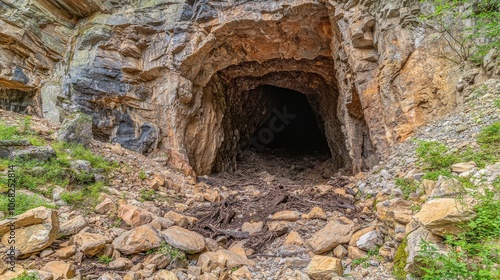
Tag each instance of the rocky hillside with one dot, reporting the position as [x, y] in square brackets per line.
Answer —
[242, 139]
[125, 216]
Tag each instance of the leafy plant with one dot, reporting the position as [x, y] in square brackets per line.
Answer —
[167, 250]
[465, 43]
[408, 186]
[105, 259]
[147, 195]
[27, 276]
[142, 175]
[473, 254]
[434, 155]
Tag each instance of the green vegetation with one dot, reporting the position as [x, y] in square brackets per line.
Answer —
[27, 276]
[437, 159]
[400, 260]
[147, 195]
[473, 254]
[497, 103]
[105, 259]
[167, 250]
[24, 202]
[364, 261]
[465, 43]
[42, 177]
[408, 186]
[142, 174]
[84, 196]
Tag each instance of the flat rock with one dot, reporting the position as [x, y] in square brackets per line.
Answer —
[443, 216]
[336, 232]
[290, 216]
[183, 239]
[324, 268]
[252, 228]
[73, 226]
[60, 269]
[139, 239]
[221, 259]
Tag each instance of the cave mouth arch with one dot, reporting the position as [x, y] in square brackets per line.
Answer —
[292, 128]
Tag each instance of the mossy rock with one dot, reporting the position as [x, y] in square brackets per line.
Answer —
[400, 260]
[77, 130]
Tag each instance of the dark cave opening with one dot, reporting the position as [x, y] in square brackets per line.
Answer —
[292, 127]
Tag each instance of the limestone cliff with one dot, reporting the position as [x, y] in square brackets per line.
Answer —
[182, 78]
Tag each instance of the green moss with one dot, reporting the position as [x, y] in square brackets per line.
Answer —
[400, 260]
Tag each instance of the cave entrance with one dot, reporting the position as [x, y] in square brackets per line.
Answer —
[292, 129]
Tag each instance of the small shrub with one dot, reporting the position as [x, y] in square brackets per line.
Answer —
[408, 186]
[167, 250]
[434, 155]
[8, 132]
[142, 175]
[147, 195]
[497, 103]
[85, 196]
[105, 259]
[27, 276]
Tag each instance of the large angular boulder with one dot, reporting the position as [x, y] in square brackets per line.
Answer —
[35, 230]
[394, 211]
[324, 268]
[443, 216]
[89, 243]
[336, 232]
[139, 239]
[134, 216]
[60, 270]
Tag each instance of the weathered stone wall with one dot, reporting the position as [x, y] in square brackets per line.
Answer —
[169, 76]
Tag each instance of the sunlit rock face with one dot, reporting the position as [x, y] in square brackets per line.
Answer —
[188, 79]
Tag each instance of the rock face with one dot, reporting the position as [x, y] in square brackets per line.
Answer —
[189, 78]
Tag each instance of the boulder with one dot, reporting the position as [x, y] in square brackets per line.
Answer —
[369, 241]
[324, 268]
[65, 252]
[77, 129]
[105, 207]
[38, 153]
[134, 216]
[179, 219]
[183, 239]
[315, 213]
[415, 240]
[36, 229]
[73, 226]
[139, 239]
[336, 232]
[121, 264]
[221, 259]
[165, 275]
[252, 228]
[60, 269]
[293, 238]
[443, 216]
[393, 211]
[89, 243]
